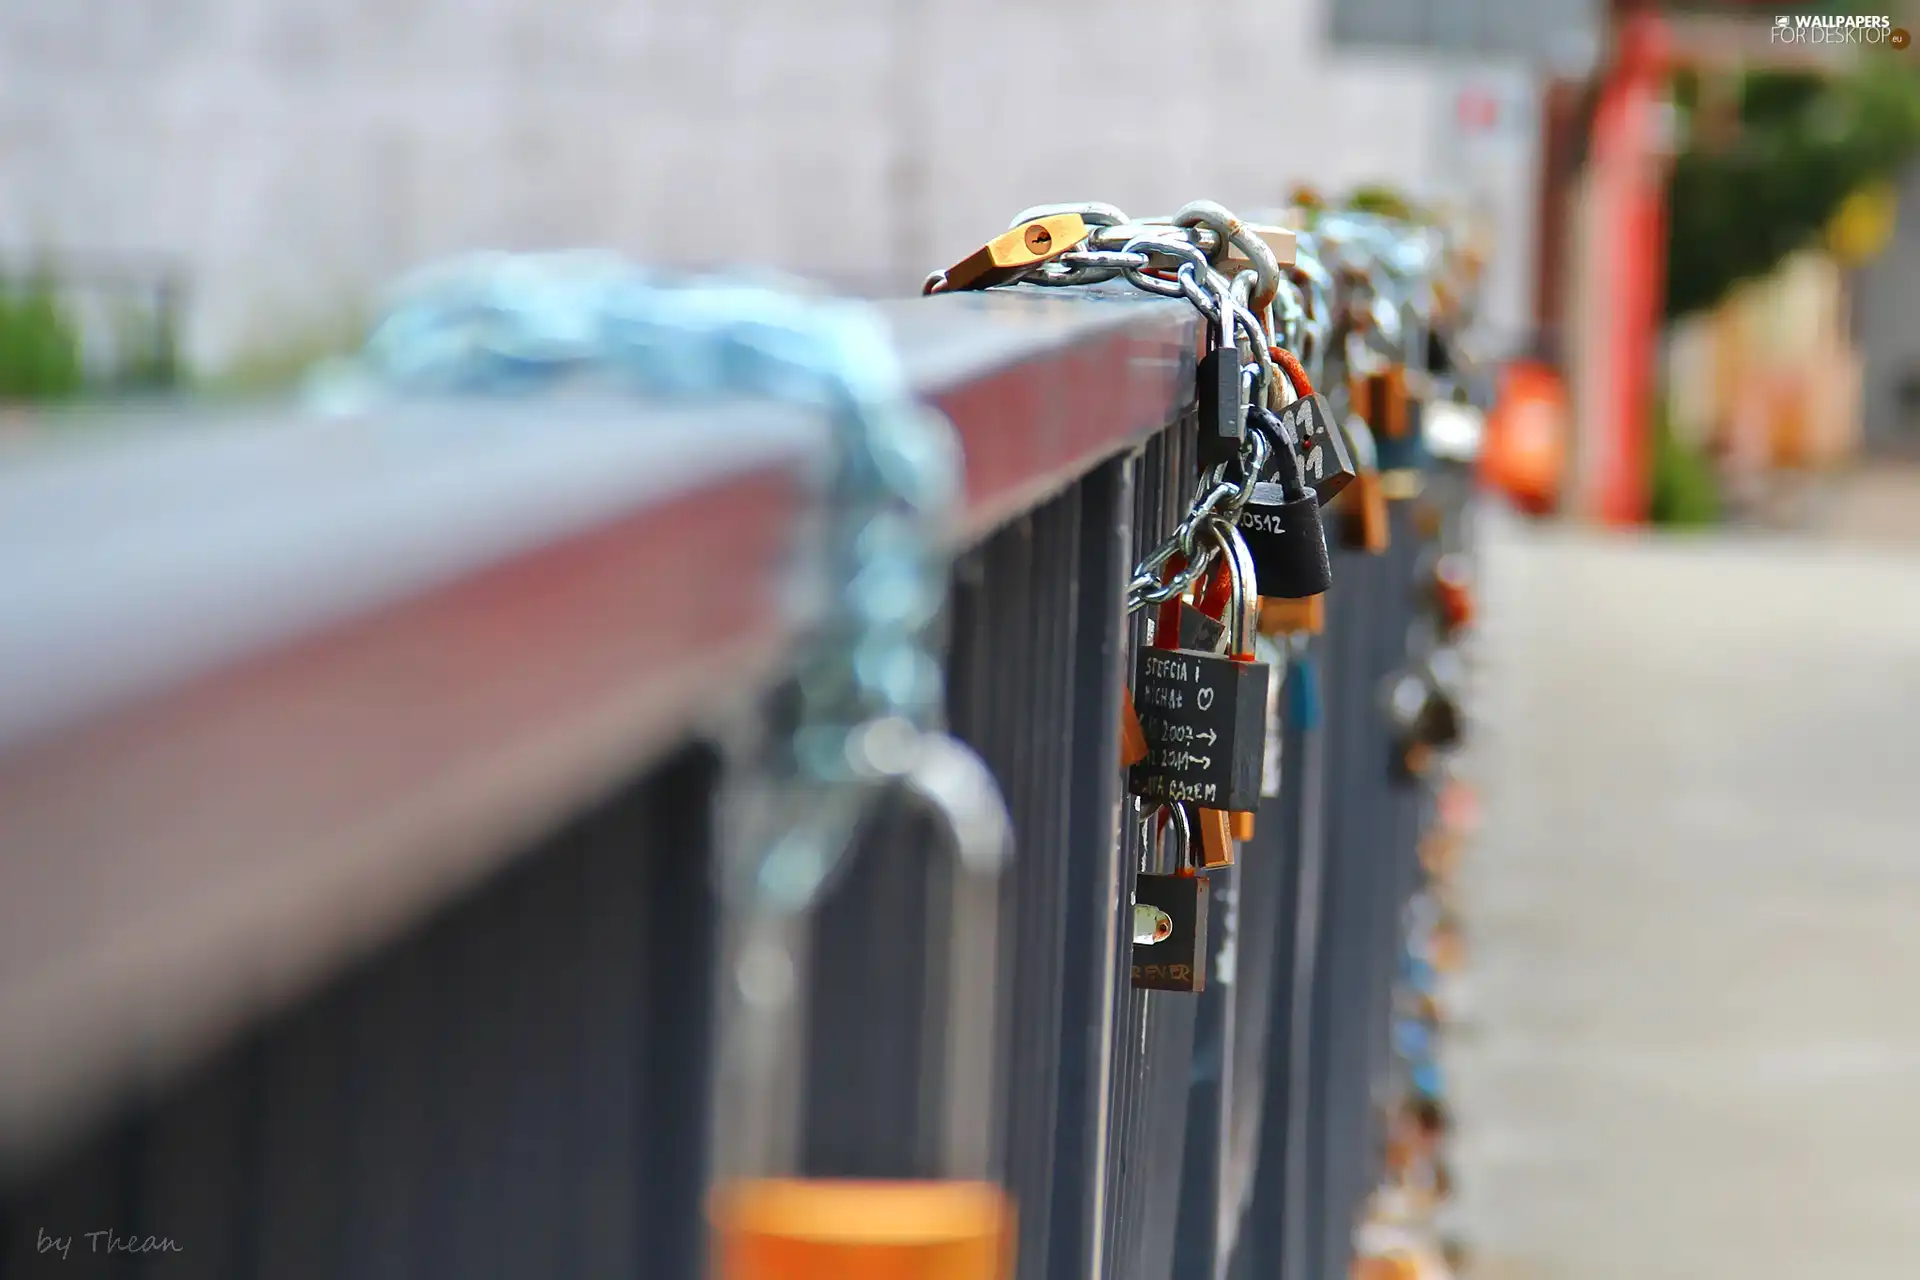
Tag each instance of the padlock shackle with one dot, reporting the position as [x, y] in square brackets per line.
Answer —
[1184, 858]
[1232, 231]
[1243, 601]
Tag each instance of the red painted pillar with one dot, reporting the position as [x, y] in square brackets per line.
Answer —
[1629, 156]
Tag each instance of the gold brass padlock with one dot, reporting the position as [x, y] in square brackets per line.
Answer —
[1282, 241]
[1005, 256]
[1284, 617]
[1217, 837]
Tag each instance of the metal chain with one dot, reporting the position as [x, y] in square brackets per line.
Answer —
[870, 683]
[1180, 257]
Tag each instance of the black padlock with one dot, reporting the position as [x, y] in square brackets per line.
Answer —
[1218, 393]
[1425, 709]
[1204, 715]
[1281, 522]
[1177, 961]
[1326, 461]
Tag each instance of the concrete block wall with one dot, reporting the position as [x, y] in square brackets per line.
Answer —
[293, 155]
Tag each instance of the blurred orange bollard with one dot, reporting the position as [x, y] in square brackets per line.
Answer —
[1525, 450]
[835, 1229]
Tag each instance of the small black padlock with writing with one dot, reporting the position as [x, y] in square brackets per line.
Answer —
[1325, 459]
[1218, 394]
[1281, 522]
[1170, 921]
[1204, 715]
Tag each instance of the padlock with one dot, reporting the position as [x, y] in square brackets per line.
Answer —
[1453, 592]
[1326, 462]
[1285, 617]
[1010, 253]
[1218, 829]
[1195, 630]
[1178, 961]
[1407, 450]
[1284, 243]
[771, 1226]
[1393, 402]
[1281, 522]
[1219, 393]
[1204, 714]
[1426, 714]
[1366, 525]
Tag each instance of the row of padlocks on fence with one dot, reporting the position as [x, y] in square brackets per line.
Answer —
[1332, 415]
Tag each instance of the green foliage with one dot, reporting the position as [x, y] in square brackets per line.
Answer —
[39, 345]
[1380, 199]
[1686, 491]
[1805, 143]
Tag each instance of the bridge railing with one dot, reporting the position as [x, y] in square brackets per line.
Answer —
[357, 791]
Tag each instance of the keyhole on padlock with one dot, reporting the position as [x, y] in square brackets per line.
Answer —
[1039, 239]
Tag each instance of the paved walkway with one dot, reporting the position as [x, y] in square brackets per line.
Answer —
[1693, 1044]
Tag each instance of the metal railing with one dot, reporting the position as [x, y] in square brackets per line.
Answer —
[356, 799]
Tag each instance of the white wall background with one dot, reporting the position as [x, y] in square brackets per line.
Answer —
[292, 155]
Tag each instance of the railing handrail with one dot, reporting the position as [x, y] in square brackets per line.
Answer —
[270, 690]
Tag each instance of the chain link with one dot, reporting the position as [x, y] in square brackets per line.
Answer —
[1355, 277]
[1181, 257]
[869, 680]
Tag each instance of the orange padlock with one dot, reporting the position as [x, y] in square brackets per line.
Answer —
[1217, 837]
[1525, 448]
[1394, 399]
[1453, 592]
[1373, 526]
[1285, 617]
[833, 1229]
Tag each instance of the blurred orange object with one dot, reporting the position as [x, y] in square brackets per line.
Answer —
[1133, 739]
[1392, 1266]
[1453, 592]
[1524, 453]
[831, 1229]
